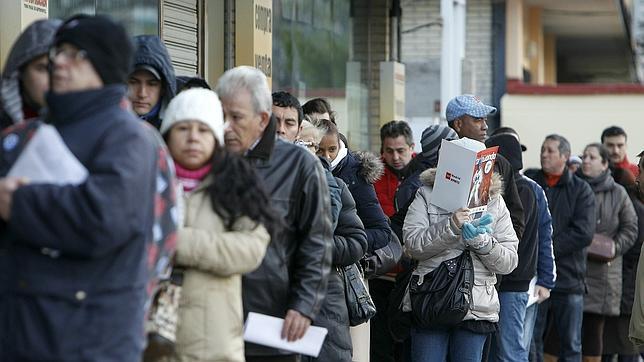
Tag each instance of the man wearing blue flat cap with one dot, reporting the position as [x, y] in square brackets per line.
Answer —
[467, 115]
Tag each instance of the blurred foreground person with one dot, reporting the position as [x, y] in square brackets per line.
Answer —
[74, 265]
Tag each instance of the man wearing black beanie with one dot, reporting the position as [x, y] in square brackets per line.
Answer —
[74, 256]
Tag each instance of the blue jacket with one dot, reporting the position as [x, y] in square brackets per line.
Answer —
[151, 51]
[572, 206]
[76, 255]
[546, 266]
[359, 171]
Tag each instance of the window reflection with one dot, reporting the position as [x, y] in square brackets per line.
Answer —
[138, 16]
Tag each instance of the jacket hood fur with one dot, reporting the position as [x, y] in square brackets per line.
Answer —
[372, 167]
[428, 177]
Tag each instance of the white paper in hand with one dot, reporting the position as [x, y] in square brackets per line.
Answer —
[532, 298]
[267, 331]
[46, 159]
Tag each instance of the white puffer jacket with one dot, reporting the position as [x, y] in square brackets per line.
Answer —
[431, 238]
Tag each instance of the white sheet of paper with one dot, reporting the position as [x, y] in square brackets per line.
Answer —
[46, 159]
[267, 331]
[531, 297]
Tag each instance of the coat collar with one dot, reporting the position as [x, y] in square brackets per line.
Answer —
[264, 149]
[74, 106]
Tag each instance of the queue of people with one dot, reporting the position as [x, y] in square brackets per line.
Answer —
[252, 202]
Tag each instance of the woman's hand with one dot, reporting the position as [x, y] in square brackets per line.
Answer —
[460, 217]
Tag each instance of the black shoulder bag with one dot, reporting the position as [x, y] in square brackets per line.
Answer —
[442, 297]
[359, 302]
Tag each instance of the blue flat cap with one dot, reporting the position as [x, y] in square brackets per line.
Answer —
[467, 104]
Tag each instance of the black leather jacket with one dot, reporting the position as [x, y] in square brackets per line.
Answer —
[295, 270]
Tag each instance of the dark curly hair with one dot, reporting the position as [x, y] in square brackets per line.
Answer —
[287, 100]
[237, 191]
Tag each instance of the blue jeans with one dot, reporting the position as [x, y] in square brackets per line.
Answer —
[528, 325]
[566, 315]
[509, 342]
[429, 345]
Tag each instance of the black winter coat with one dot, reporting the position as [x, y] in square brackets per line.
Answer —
[519, 279]
[74, 257]
[359, 171]
[572, 205]
[295, 270]
[349, 245]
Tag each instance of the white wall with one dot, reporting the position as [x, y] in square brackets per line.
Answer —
[579, 118]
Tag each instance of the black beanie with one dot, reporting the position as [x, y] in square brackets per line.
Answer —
[107, 45]
[509, 147]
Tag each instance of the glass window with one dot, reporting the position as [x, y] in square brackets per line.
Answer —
[312, 58]
[138, 16]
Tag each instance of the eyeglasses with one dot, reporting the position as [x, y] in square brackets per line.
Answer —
[67, 53]
[307, 144]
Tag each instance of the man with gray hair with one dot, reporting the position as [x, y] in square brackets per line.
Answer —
[572, 205]
[291, 281]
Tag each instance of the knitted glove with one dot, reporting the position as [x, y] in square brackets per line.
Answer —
[469, 231]
[483, 223]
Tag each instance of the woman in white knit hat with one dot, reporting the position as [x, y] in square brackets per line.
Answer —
[223, 235]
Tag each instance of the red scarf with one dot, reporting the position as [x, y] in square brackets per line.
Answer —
[551, 180]
[190, 179]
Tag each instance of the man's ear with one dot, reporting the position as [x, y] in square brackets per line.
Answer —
[457, 125]
[265, 118]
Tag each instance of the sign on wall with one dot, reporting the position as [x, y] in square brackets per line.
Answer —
[254, 35]
[392, 92]
[33, 10]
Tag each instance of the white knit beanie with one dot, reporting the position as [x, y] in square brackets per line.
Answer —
[196, 104]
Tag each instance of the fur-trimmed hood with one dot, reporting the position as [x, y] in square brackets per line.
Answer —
[372, 167]
[428, 177]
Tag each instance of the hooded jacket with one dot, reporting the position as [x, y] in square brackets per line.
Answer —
[295, 270]
[572, 206]
[151, 51]
[76, 255]
[616, 219]
[359, 170]
[431, 238]
[33, 42]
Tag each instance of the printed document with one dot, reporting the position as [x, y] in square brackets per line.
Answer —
[46, 159]
[267, 331]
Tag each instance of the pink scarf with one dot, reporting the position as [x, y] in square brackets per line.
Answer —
[190, 179]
